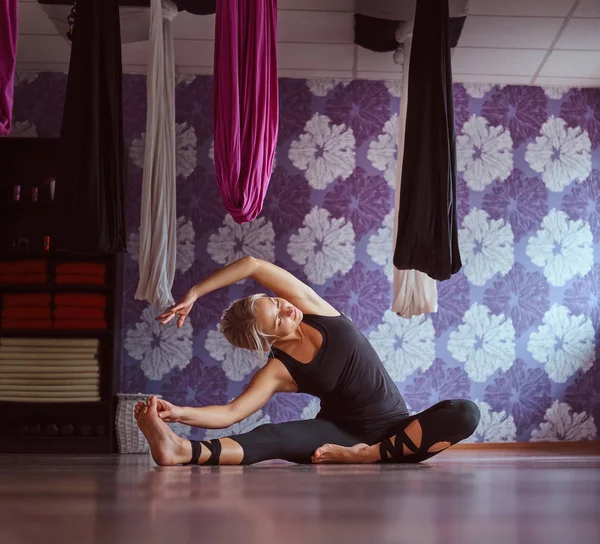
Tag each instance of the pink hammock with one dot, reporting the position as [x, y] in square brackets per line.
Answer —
[246, 105]
[8, 55]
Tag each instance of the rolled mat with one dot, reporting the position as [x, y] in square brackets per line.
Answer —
[72, 312]
[80, 279]
[26, 312]
[51, 342]
[22, 278]
[46, 369]
[54, 380]
[83, 300]
[45, 356]
[41, 300]
[68, 324]
[64, 397]
[90, 269]
[26, 324]
[23, 267]
[81, 362]
[35, 352]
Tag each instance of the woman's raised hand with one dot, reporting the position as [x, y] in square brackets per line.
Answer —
[181, 309]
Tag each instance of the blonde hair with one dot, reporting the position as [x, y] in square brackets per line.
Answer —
[240, 326]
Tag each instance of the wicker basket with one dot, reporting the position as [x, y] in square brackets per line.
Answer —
[129, 436]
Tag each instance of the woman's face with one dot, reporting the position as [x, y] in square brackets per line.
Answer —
[277, 316]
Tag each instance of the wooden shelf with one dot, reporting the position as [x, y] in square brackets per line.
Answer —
[34, 220]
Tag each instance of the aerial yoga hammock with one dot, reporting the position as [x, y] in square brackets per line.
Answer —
[158, 221]
[90, 187]
[426, 234]
[245, 126]
[245, 103]
[8, 56]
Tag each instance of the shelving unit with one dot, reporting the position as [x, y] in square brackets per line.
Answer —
[54, 427]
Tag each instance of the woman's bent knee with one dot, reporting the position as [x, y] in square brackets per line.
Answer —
[469, 414]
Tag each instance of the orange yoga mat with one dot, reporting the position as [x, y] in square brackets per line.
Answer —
[72, 312]
[27, 312]
[90, 269]
[22, 278]
[80, 279]
[23, 267]
[81, 300]
[26, 324]
[42, 300]
[80, 324]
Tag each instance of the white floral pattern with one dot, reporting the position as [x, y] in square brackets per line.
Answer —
[185, 244]
[561, 423]
[484, 342]
[381, 246]
[321, 87]
[493, 426]
[159, 348]
[234, 241]
[483, 153]
[564, 343]
[404, 345]
[486, 246]
[477, 90]
[311, 411]
[563, 248]
[324, 151]
[255, 420]
[394, 86]
[561, 154]
[185, 78]
[237, 363]
[323, 246]
[383, 151]
[185, 149]
[555, 93]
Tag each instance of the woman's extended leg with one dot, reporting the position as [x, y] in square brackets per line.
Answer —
[415, 438]
[293, 441]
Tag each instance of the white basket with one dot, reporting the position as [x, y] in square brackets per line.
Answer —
[129, 436]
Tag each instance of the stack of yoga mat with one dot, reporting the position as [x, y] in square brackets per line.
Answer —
[27, 311]
[79, 311]
[49, 370]
[23, 272]
[81, 273]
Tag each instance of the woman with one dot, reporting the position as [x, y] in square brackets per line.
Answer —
[312, 349]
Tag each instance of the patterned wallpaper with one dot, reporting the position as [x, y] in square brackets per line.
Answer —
[516, 328]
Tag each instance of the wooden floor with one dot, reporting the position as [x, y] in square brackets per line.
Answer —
[485, 497]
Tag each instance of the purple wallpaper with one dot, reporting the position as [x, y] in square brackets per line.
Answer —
[516, 329]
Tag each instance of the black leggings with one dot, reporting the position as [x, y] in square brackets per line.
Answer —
[296, 441]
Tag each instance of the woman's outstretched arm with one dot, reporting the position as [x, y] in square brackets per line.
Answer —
[272, 378]
[270, 276]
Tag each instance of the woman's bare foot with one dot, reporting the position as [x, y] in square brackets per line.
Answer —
[138, 409]
[166, 447]
[358, 454]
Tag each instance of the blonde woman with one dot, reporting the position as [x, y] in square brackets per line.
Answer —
[311, 348]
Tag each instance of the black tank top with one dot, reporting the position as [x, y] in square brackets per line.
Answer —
[355, 389]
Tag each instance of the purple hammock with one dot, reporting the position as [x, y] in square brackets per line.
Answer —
[246, 107]
[8, 55]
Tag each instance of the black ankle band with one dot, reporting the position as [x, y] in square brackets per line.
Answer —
[196, 450]
[214, 446]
